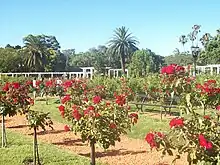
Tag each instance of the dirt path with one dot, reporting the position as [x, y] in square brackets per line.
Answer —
[127, 152]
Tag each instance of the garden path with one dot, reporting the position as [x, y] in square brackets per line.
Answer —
[127, 152]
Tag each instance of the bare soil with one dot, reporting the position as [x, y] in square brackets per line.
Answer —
[127, 152]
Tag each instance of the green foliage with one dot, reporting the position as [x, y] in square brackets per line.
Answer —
[95, 119]
[212, 50]
[42, 52]
[38, 119]
[140, 63]
[192, 138]
[123, 45]
[10, 60]
[180, 59]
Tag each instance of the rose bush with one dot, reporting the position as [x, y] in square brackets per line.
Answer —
[195, 135]
[13, 99]
[96, 120]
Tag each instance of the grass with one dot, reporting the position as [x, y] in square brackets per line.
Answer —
[146, 124]
[52, 107]
[20, 147]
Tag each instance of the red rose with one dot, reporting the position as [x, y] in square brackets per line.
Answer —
[66, 128]
[29, 83]
[161, 135]
[207, 117]
[209, 145]
[49, 83]
[97, 99]
[112, 125]
[89, 110]
[67, 84]
[76, 115]
[180, 69]
[218, 108]
[198, 86]
[204, 143]
[38, 82]
[61, 108]
[6, 87]
[120, 99]
[150, 138]
[133, 115]
[163, 70]
[176, 122]
[65, 99]
[15, 85]
[170, 69]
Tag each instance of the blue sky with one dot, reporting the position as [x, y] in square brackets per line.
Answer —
[83, 24]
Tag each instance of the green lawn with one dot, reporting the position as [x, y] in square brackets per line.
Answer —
[146, 124]
[20, 147]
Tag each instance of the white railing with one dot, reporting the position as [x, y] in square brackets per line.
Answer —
[87, 72]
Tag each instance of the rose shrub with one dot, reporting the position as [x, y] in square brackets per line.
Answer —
[13, 99]
[196, 135]
[95, 119]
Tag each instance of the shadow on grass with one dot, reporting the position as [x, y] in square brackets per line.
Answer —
[18, 126]
[49, 132]
[158, 112]
[120, 152]
[70, 142]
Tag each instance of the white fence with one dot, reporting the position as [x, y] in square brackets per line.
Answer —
[87, 72]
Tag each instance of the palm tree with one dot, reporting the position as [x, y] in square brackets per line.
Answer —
[183, 40]
[206, 38]
[36, 52]
[123, 45]
[176, 51]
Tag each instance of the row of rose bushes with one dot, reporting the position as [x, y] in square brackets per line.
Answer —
[97, 120]
[196, 135]
[150, 84]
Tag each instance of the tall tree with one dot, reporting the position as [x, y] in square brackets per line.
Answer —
[68, 53]
[123, 44]
[10, 60]
[36, 52]
[211, 52]
[140, 63]
[42, 52]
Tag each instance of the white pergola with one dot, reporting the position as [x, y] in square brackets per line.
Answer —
[87, 72]
[212, 69]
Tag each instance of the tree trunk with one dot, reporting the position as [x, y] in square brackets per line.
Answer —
[35, 148]
[92, 154]
[194, 72]
[123, 64]
[4, 141]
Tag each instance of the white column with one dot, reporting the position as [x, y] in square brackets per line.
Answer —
[91, 73]
[211, 67]
[218, 70]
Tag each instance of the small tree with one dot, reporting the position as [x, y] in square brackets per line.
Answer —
[13, 99]
[38, 119]
[96, 120]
